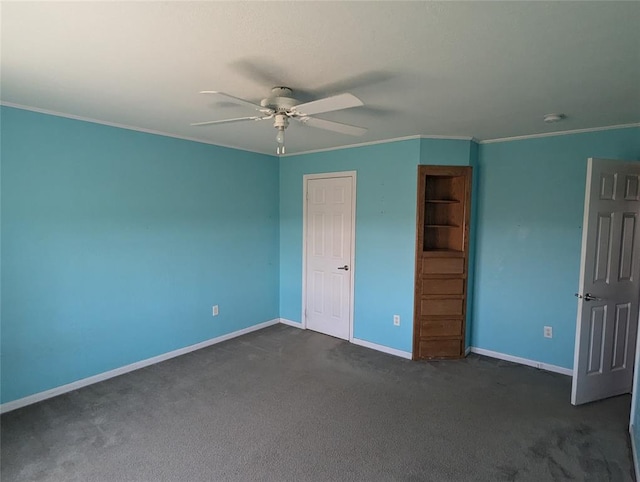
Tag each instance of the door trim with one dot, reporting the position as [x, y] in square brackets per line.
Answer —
[329, 175]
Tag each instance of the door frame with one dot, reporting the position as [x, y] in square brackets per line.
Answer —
[329, 175]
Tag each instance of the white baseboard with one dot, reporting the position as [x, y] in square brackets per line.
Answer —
[522, 361]
[356, 341]
[634, 450]
[295, 324]
[382, 348]
[69, 387]
[467, 350]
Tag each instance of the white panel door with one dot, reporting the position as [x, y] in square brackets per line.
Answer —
[329, 221]
[607, 321]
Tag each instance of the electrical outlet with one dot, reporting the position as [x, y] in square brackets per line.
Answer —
[396, 320]
[215, 310]
[548, 332]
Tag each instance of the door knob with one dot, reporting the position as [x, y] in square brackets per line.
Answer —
[345, 267]
[588, 297]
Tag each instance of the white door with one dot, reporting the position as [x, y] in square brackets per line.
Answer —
[329, 269]
[609, 287]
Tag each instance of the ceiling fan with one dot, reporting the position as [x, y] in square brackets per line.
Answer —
[282, 106]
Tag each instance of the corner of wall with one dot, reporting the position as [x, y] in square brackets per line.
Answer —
[474, 148]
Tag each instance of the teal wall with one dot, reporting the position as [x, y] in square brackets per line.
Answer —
[115, 245]
[445, 152]
[385, 230]
[529, 217]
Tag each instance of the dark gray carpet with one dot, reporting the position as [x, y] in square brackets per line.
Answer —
[284, 404]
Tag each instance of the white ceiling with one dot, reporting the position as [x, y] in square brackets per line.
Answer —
[479, 69]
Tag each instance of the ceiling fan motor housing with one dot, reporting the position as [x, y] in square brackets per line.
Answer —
[280, 100]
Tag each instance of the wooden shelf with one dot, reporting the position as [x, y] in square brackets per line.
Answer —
[442, 253]
[442, 210]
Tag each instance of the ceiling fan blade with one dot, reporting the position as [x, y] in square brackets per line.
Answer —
[328, 104]
[333, 126]
[228, 121]
[237, 100]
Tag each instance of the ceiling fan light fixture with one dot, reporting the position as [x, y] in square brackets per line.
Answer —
[281, 122]
[280, 140]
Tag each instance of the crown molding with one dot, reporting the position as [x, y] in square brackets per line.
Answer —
[313, 151]
[452, 138]
[382, 141]
[559, 133]
[123, 126]
[201, 141]
[351, 146]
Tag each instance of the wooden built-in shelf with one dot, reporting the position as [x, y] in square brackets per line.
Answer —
[442, 248]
